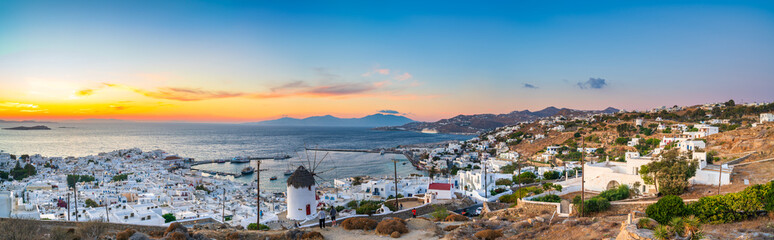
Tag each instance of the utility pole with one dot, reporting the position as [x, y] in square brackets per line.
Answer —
[75, 198]
[107, 213]
[720, 176]
[223, 202]
[258, 184]
[395, 164]
[486, 183]
[68, 206]
[583, 177]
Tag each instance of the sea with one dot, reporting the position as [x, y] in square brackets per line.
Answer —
[204, 141]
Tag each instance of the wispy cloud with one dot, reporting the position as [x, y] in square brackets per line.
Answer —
[380, 71]
[17, 105]
[179, 93]
[527, 85]
[387, 111]
[404, 76]
[593, 83]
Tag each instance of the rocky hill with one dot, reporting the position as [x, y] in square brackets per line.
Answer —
[476, 123]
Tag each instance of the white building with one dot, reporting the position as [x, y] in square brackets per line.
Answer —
[767, 117]
[301, 195]
[638, 122]
[553, 150]
[440, 190]
[608, 175]
[691, 145]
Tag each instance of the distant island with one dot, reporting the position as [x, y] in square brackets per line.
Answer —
[39, 127]
[375, 120]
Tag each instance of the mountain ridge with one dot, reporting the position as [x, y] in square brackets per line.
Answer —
[475, 123]
[374, 120]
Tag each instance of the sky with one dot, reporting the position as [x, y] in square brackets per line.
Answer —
[241, 61]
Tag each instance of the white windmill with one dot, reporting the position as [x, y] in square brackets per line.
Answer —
[301, 189]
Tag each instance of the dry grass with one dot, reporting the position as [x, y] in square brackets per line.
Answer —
[455, 218]
[451, 227]
[15, 229]
[488, 234]
[388, 226]
[359, 223]
[312, 236]
[92, 230]
[175, 227]
[125, 234]
[176, 236]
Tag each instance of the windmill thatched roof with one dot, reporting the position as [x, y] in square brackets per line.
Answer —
[301, 178]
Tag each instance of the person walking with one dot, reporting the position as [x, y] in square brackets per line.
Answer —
[322, 219]
[333, 216]
[414, 213]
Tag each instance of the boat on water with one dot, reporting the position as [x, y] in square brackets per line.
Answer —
[248, 170]
[382, 152]
[288, 172]
[220, 161]
[282, 157]
[273, 178]
[240, 160]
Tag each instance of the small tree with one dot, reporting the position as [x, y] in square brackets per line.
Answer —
[169, 217]
[91, 203]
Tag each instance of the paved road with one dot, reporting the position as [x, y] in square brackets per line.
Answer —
[469, 211]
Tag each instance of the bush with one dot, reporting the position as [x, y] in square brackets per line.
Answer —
[595, 204]
[168, 217]
[359, 223]
[551, 175]
[620, 193]
[388, 226]
[713, 209]
[525, 177]
[548, 198]
[666, 208]
[455, 218]
[521, 193]
[662, 232]
[125, 234]
[312, 236]
[488, 234]
[255, 226]
[91, 203]
[504, 181]
[440, 213]
[646, 223]
[368, 207]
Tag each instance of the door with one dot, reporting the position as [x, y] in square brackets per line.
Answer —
[308, 210]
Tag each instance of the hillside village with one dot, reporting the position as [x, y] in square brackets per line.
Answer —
[657, 174]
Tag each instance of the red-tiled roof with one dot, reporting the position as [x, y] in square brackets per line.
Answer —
[440, 186]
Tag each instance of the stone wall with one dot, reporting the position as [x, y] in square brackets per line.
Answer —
[50, 225]
[537, 208]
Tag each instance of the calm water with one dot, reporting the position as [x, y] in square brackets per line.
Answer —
[215, 141]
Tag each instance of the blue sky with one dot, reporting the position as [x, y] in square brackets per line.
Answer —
[427, 59]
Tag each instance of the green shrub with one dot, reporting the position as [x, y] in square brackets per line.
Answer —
[595, 204]
[666, 208]
[548, 198]
[254, 226]
[620, 193]
[644, 223]
[525, 177]
[551, 175]
[504, 181]
[169, 217]
[662, 232]
[712, 209]
[440, 212]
